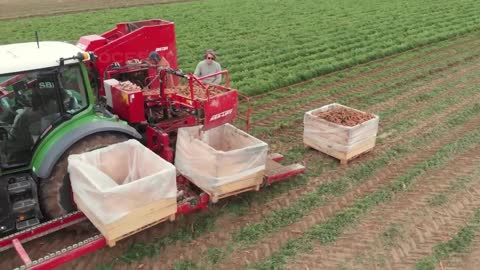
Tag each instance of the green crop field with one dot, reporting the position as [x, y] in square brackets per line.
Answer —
[412, 202]
[271, 44]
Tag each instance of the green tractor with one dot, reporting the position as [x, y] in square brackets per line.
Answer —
[48, 111]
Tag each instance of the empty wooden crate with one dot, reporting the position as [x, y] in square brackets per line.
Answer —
[222, 161]
[123, 188]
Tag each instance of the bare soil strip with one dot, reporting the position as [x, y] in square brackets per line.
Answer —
[14, 9]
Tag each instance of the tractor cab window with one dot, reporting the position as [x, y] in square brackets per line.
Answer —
[31, 102]
[73, 92]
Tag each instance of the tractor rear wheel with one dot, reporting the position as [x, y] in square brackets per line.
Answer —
[55, 192]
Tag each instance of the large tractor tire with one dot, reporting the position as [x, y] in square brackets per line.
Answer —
[55, 191]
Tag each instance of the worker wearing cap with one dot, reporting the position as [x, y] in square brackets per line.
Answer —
[207, 67]
[160, 62]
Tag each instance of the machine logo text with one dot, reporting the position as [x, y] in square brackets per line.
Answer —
[220, 115]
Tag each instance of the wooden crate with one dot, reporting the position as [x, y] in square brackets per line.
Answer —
[137, 220]
[342, 142]
[223, 161]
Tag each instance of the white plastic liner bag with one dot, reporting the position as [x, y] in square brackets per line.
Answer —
[218, 156]
[114, 180]
[340, 138]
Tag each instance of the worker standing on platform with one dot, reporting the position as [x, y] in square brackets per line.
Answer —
[209, 66]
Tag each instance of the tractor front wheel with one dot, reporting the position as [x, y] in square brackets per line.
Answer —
[55, 192]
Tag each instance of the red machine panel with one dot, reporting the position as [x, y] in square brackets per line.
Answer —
[129, 105]
[134, 40]
[220, 109]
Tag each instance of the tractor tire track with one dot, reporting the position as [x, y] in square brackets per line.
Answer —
[442, 228]
[274, 241]
[411, 209]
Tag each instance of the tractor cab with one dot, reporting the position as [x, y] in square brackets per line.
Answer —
[32, 102]
[39, 90]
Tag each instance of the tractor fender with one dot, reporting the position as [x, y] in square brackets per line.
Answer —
[75, 135]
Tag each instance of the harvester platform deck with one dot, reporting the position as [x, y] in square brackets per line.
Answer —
[275, 171]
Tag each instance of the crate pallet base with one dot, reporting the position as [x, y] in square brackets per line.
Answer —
[248, 183]
[344, 157]
[136, 221]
